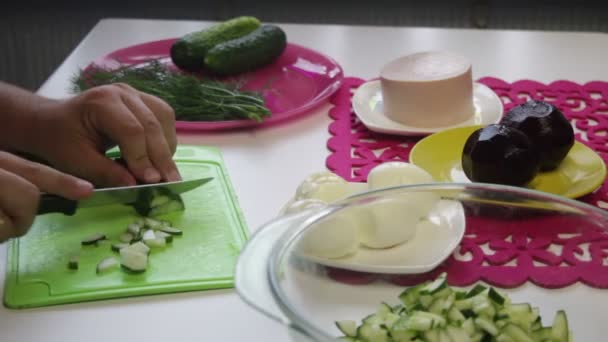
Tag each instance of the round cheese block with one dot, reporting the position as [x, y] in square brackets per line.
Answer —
[428, 89]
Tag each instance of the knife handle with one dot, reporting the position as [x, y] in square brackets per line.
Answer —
[56, 204]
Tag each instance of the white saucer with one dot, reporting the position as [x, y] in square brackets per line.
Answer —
[368, 106]
[436, 239]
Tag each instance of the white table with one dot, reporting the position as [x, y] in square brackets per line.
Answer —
[267, 165]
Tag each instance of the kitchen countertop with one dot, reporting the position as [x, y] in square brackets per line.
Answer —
[267, 165]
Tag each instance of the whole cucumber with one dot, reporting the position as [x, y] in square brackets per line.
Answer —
[248, 52]
[189, 52]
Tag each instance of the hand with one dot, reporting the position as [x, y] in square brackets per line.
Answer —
[73, 135]
[21, 182]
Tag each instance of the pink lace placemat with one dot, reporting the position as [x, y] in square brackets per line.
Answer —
[552, 258]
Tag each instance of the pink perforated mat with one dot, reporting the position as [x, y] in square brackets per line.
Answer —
[551, 258]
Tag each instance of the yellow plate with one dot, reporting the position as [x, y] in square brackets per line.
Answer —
[581, 172]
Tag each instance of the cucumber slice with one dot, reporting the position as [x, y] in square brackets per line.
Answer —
[159, 200]
[347, 339]
[443, 336]
[153, 202]
[426, 300]
[468, 313]
[496, 297]
[505, 338]
[134, 228]
[475, 291]
[400, 331]
[173, 205]
[443, 293]
[93, 239]
[435, 286]
[348, 328]
[133, 261]
[162, 235]
[486, 325]
[477, 337]
[373, 319]
[455, 316]
[464, 304]
[410, 296]
[106, 265]
[139, 247]
[431, 336]
[422, 321]
[116, 247]
[152, 223]
[73, 262]
[372, 332]
[148, 235]
[516, 333]
[170, 230]
[542, 334]
[156, 242]
[469, 327]
[437, 306]
[126, 238]
[457, 334]
[383, 309]
[559, 330]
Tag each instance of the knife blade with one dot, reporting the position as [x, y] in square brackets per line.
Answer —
[119, 195]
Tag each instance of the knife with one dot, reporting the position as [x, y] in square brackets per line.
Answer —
[120, 195]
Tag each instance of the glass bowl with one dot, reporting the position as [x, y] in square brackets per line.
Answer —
[296, 269]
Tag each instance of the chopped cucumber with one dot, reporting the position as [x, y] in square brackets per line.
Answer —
[152, 223]
[174, 205]
[148, 235]
[93, 239]
[348, 328]
[434, 311]
[139, 247]
[106, 265]
[156, 242]
[475, 291]
[372, 332]
[133, 261]
[73, 262]
[154, 202]
[486, 325]
[162, 235]
[116, 247]
[134, 229]
[559, 331]
[496, 297]
[170, 230]
[517, 333]
[151, 240]
[159, 200]
[126, 238]
[434, 287]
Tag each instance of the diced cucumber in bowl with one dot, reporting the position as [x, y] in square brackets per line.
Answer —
[437, 312]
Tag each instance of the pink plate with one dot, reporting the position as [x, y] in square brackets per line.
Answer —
[299, 80]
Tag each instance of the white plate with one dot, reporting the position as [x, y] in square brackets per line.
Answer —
[436, 239]
[368, 106]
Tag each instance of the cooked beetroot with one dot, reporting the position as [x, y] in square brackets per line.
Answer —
[501, 155]
[547, 128]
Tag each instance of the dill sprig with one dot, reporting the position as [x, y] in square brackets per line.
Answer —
[191, 98]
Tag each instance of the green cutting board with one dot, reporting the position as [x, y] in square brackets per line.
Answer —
[204, 257]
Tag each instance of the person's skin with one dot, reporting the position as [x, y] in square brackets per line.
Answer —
[71, 136]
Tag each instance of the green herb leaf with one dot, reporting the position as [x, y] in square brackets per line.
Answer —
[191, 98]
